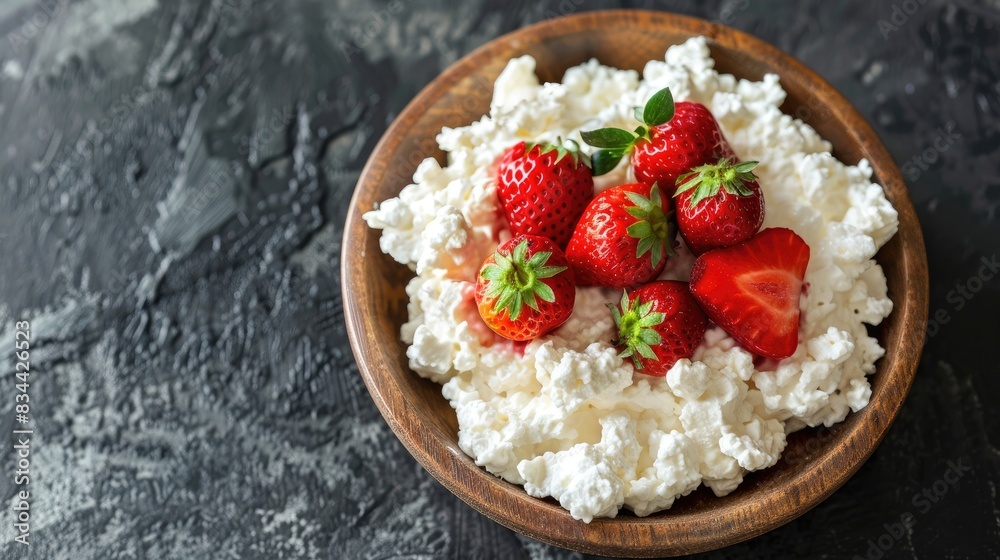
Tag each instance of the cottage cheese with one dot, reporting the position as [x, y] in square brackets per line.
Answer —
[563, 415]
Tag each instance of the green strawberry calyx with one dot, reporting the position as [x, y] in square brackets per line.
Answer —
[515, 280]
[653, 228]
[569, 148]
[614, 143]
[706, 180]
[635, 320]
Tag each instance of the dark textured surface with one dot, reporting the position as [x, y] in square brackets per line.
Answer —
[175, 180]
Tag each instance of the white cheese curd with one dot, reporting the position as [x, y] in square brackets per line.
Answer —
[563, 415]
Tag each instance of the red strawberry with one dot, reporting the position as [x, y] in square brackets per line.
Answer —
[658, 324]
[525, 289]
[543, 192]
[719, 205]
[752, 290]
[623, 237]
[672, 140]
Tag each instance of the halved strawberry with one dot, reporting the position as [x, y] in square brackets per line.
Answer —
[525, 289]
[658, 324]
[752, 290]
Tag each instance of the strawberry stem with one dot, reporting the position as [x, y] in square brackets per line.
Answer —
[708, 179]
[615, 142]
[515, 280]
[635, 321]
[653, 228]
[659, 109]
[570, 148]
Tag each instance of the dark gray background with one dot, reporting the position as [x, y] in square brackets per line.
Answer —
[174, 187]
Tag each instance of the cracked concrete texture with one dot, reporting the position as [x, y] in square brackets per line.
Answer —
[175, 182]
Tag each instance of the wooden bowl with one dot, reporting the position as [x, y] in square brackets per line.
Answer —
[815, 463]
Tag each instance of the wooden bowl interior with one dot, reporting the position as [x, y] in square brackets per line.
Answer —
[814, 463]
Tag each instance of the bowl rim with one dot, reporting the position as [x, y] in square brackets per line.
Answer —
[519, 511]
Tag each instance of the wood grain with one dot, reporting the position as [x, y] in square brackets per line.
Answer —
[815, 463]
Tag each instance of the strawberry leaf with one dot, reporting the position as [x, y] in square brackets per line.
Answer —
[645, 245]
[635, 321]
[604, 161]
[570, 148]
[614, 144]
[707, 180]
[516, 280]
[642, 231]
[652, 227]
[644, 204]
[608, 138]
[644, 350]
[659, 109]
[636, 212]
[529, 300]
[544, 292]
[649, 336]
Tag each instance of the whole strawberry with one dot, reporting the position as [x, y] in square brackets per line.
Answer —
[673, 139]
[718, 205]
[658, 324]
[623, 238]
[752, 290]
[525, 289]
[543, 189]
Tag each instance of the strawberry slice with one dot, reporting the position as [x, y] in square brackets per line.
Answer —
[752, 290]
